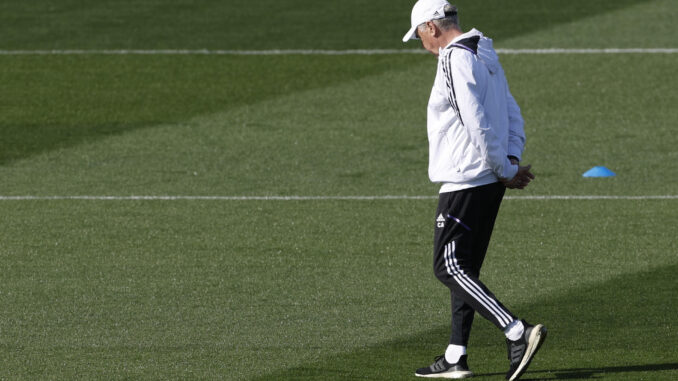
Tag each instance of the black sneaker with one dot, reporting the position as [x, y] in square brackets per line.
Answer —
[443, 369]
[521, 351]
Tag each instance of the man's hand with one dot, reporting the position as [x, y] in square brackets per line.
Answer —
[521, 179]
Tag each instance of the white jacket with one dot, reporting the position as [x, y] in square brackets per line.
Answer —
[474, 123]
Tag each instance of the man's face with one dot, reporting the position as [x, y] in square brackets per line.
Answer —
[427, 34]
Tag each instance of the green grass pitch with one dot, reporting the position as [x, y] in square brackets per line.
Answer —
[323, 289]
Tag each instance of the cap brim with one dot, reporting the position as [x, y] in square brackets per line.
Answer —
[411, 34]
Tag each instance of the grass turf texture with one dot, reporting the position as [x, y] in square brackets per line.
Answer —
[205, 290]
[321, 289]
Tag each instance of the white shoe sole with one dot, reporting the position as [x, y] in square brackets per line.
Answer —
[458, 374]
[535, 340]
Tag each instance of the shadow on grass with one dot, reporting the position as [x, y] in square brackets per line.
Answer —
[584, 323]
[56, 102]
[591, 373]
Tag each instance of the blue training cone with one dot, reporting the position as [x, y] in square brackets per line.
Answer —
[598, 172]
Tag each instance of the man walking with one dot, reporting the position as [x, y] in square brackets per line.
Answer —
[476, 140]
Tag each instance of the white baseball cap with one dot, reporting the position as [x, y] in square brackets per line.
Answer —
[423, 11]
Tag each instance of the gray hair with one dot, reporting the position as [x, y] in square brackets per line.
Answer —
[451, 19]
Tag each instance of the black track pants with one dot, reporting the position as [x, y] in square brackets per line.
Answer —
[464, 223]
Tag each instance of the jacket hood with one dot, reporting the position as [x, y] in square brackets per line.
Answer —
[485, 49]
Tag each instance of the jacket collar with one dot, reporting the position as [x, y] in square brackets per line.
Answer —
[467, 41]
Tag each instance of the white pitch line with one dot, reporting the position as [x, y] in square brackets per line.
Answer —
[271, 52]
[319, 51]
[593, 197]
[590, 51]
[220, 198]
[324, 198]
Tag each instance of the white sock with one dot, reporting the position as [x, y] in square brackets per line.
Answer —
[515, 330]
[454, 352]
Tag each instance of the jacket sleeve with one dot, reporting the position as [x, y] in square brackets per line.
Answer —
[468, 81]
[516, 127]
